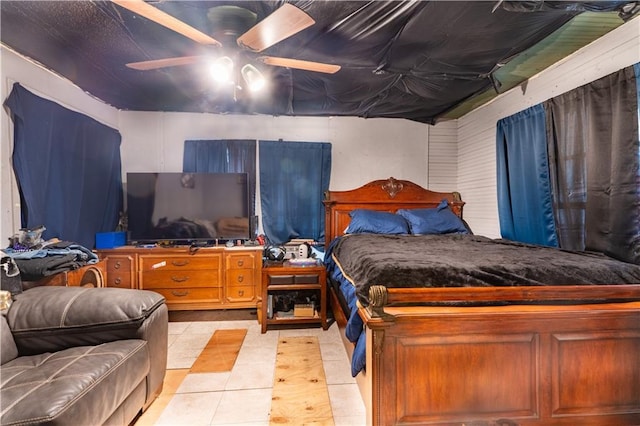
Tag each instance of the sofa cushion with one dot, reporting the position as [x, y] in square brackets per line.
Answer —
[81, 386]
[48, 319]
[8, 347]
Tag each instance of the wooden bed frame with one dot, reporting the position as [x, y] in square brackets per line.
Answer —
[570, 358]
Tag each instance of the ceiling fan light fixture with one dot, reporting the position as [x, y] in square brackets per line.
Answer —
[222, 69]
[253, 77]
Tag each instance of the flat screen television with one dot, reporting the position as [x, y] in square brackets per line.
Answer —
[183, 208]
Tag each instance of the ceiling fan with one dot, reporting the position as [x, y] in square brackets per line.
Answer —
[232, 22]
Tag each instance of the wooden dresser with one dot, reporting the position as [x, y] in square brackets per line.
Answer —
[189, 278]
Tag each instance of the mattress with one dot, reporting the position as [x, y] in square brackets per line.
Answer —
[464, 260]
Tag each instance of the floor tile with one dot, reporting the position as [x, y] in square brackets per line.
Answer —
[243, 406]
[201, 327]
[251, 376]
[189, 341]
[193, 409]
[346, 400]
[178, 327]
[338, 372]
[182, 360]
[172, 338]
[251, 355]
[333, 351]
[349, 421]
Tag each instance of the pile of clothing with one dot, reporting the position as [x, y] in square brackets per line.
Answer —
[36, 258]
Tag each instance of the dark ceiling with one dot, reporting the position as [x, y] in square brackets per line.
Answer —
[419, 60]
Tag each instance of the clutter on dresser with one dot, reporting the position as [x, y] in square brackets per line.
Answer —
[36, 258]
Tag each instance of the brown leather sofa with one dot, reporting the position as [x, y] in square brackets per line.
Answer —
[81, 356]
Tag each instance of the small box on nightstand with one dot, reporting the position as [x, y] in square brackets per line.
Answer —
[303, 310]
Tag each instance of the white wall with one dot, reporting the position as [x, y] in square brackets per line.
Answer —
[443, 157]
[362, 149]
[477, 130]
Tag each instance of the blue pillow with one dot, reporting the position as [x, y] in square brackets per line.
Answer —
[376, 222]
[440, 220]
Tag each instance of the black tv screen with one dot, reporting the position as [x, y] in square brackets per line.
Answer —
[186, 207]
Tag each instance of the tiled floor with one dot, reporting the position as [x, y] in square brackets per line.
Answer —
[243, 395]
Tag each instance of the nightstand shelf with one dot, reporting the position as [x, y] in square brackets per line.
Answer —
[293, 284]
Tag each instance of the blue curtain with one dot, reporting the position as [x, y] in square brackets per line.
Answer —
[223, 156]
[68, 169]
[293, 179]
[524, 195]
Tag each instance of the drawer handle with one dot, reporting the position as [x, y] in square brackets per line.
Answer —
[117, 265]
[117, 281]
[179, 279]
[179, 293]
[241, 293]
[240, 262]
[179, 262]
[240, 278]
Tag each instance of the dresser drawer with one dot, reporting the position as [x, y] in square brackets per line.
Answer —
[120, 264]
[303, 278]
[240, 277]
[240, 261]
[189, 294]
[180, 279]
[121, 272]
[240, 293]
[120, 280]
[176, 262]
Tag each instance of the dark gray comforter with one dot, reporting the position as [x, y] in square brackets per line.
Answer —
[458, 260]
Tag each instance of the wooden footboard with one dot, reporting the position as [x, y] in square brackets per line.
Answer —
[524, 365]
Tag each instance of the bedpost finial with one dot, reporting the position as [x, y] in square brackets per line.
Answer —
[392, 187]
[377, 302]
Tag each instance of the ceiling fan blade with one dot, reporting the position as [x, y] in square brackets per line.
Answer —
[166, 20]
[283, 23]
[163, 63]
[301, 65]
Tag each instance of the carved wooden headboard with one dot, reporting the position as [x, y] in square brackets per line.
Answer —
[383, 195]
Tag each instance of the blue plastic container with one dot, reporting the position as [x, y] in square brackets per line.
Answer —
[106, 240]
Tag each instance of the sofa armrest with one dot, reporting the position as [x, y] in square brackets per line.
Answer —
[48, 319]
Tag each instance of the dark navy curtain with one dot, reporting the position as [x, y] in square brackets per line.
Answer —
[593, 141]
[293, 179]
[68, 169]
[524, 195]
[223, 156]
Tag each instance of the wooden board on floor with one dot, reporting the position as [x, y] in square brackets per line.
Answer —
[221, 352]
[300, 395]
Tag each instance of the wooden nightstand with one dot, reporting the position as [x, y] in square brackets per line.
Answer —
[286, 288]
